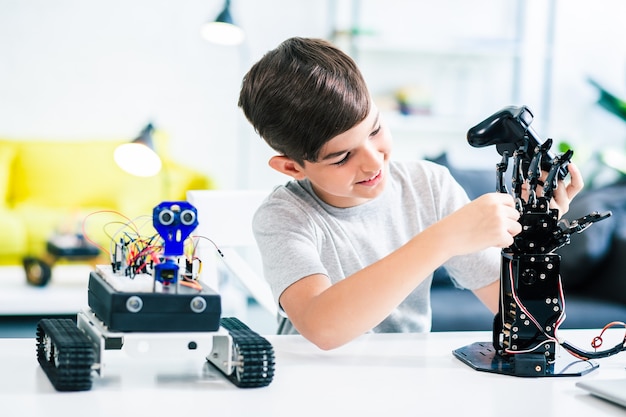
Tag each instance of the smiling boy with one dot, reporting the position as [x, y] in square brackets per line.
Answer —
[351, 243]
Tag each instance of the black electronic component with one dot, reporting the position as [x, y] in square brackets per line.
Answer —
[510, 131]
[152, 311]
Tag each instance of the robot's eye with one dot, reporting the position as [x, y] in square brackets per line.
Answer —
[166, 217]
[187, 217]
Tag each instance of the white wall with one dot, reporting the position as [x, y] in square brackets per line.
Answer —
[103, 68]
[589, 42]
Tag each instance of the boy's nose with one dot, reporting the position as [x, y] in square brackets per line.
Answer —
[371, 159]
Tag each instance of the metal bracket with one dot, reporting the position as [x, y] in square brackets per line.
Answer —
[222, 353]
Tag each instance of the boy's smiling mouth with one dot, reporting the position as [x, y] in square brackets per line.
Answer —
[373, 180]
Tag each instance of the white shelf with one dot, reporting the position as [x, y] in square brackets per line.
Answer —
[476, 48]
[460, 72]
[429, 136]
[399, 123]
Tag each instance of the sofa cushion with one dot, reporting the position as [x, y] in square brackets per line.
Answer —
[14, 238]
[74, 175]
[588, 251]
[7, 156]
[475, 182]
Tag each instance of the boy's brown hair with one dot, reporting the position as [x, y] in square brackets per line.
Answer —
[301, 94]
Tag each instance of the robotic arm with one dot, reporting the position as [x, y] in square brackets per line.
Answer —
[532, 305]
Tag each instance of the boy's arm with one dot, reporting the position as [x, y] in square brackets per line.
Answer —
[331, 315]
[490, 296]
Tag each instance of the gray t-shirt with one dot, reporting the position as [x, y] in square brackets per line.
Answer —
[299, 235]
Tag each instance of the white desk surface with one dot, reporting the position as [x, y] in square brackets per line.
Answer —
[392, 374]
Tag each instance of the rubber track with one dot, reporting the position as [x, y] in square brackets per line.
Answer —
[71, 369]
[256, 353]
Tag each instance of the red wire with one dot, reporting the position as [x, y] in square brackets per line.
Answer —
[86, 235]
[597, 341]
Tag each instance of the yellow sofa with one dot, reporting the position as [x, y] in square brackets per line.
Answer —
[52, 186]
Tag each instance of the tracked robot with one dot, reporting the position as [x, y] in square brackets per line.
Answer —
[532, 303]
[152, 292]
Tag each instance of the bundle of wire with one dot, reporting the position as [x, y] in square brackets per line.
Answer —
[135, 247]
[577, 352]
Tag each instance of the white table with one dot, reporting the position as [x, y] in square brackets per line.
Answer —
[391, 375]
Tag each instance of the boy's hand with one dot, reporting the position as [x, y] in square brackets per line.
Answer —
[490, 220]
[565, 191]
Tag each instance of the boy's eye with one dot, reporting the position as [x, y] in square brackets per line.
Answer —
[375, 132]
[343, 160]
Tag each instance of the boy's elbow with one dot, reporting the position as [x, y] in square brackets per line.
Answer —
[325, 343]
[323, 337]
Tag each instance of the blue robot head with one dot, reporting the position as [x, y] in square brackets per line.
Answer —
[174, 221]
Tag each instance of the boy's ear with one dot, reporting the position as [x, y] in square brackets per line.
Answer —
[287, 166]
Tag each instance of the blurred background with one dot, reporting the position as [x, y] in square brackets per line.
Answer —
[80, 77]
[98, 69]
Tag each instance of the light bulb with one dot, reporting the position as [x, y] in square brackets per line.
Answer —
[137, 159]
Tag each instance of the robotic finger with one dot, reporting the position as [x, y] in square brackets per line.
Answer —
[578, 225]
[550, 184]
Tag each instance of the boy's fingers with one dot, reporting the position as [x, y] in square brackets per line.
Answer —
[576, 182]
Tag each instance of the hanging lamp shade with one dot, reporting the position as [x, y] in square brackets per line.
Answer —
[139, 157]
[223, 29]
